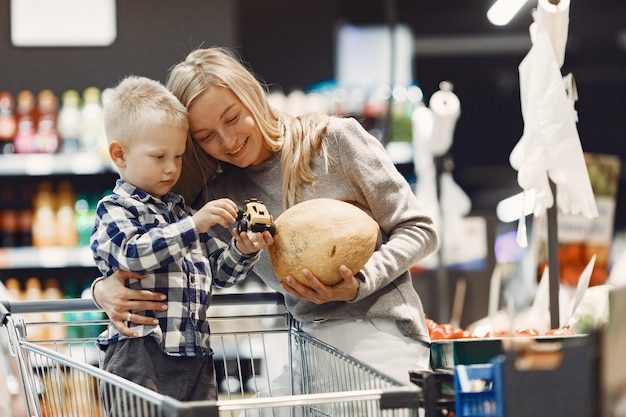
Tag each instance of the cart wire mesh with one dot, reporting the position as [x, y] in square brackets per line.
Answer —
[265, 366]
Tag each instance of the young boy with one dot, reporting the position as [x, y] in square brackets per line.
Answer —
[146, 228]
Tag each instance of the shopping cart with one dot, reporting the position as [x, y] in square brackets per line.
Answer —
[254, 339]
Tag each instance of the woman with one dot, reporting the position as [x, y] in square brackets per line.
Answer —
[243, 148]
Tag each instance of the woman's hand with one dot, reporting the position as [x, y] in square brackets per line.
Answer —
[319, 293]
[118, 302]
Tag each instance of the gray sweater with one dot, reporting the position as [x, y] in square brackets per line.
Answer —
[360, 172]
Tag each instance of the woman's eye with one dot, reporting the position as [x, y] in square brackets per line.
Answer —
[232, 119]
[206, 137]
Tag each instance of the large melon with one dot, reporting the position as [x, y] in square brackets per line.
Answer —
[320, 235]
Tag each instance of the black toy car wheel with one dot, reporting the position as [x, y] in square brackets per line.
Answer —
[243, 225]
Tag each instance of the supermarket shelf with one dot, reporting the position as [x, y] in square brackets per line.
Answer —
[80, 163]
[48, 257]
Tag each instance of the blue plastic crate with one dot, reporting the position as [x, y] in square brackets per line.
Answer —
[479, 390]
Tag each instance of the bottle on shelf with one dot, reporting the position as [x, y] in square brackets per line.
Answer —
[68, 123]
[14, 287]
[67, 233]
[46, 136]
[25, 216]
[26, 114]
[8, 217]
[44, 217]
[91, 122]
[85, 213]
[8, 122]
[34, 292]
[52, 291]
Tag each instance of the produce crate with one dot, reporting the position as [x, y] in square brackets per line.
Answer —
[562, 382]
[553, 379]
[446, 354]
[479, 390]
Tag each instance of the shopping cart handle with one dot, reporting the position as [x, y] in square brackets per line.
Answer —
[8, 307]
[245, 298]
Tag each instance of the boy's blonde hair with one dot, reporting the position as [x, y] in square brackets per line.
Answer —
[137, 102]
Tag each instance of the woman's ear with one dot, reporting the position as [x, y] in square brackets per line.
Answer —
[116, 152]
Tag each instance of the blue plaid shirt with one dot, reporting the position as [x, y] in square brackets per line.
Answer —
[134, 231]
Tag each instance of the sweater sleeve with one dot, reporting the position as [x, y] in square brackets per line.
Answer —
[408, 234]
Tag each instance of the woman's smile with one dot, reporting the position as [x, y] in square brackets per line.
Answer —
[236, 151]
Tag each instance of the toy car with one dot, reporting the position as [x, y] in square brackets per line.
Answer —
[254, 217]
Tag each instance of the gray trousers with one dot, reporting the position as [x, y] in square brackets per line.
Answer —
[141, 360]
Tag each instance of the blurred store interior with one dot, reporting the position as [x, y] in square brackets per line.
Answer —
[295, 46]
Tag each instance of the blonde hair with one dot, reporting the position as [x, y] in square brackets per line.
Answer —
[137, 102]
[299, 138]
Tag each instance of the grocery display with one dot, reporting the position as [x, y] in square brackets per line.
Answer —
[53, 169]
[51, 181]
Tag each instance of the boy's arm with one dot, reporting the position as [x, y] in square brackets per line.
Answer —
[121, 240]
[228, 264]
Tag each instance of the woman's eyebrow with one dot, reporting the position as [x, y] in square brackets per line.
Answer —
[226, 110]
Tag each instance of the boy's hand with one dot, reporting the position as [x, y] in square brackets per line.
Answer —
[250, 242]
[222, 211]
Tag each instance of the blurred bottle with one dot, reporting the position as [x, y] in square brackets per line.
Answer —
[34, 292]
[25, 216]
[52, 291]
[71, 291]
[47, 137]
[85, 214]
[8, 217]
[91, 122]
[26, 114]
[67, 233]
[44, 217]
[68, 124]
[15, 288]
[8, 123]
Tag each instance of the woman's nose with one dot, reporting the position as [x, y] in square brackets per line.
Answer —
[228, 140]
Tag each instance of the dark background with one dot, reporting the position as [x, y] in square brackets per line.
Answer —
[296, 53]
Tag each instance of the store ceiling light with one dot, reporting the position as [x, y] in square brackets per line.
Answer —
[502, 11]
[59, 23]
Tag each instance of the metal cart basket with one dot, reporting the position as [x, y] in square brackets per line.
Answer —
[254, 339]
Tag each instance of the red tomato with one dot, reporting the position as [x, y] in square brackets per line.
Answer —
[467, 335]
[437, 334]
[447, 328]
[431, 324]
[494, 333]
[456, 333]
[561, 331]
[526, 331]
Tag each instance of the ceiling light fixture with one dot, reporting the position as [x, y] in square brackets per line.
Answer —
[502, 11]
